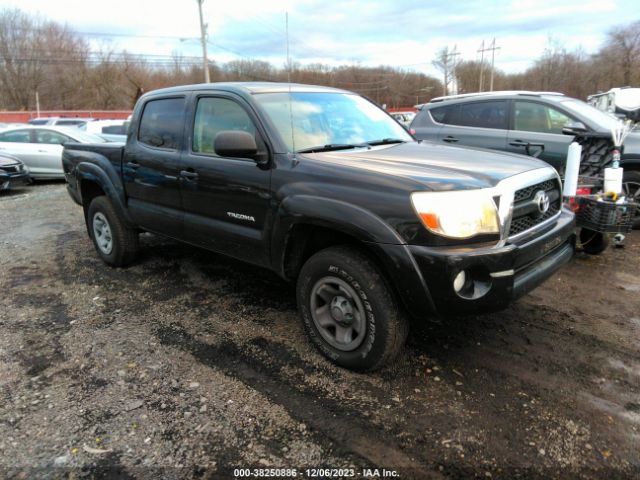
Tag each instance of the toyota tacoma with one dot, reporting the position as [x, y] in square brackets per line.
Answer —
[326, 189]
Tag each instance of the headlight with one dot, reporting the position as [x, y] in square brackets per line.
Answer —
[460, 214]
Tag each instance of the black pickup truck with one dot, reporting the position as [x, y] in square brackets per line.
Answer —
[326, 189]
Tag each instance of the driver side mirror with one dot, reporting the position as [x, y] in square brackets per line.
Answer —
[235, 144]
[574, 128]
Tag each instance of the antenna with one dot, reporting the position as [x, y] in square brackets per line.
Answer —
[286, 21]
[293, 137]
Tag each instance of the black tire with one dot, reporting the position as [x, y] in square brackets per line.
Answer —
[124, 240]
[385, 325]
[592, 242]
[631, 188]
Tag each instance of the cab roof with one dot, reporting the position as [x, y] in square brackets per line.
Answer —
[250, 88]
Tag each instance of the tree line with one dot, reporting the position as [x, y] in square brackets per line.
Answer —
[39, 55]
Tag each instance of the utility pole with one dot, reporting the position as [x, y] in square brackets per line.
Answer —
[492, 48]
[203, 39]
[493, 57]
[481, 51]
[454, 54]
[445, 60]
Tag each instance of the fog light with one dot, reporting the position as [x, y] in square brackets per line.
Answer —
[459, 281]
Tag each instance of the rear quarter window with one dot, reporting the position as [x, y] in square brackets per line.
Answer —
[443, 114]
[162, 123]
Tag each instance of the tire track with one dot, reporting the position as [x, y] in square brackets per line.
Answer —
[322, 415]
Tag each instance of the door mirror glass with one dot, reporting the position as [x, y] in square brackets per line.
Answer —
[574, 128]
[235, 143]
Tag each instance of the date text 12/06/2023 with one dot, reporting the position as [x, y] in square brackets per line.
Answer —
[314, 473]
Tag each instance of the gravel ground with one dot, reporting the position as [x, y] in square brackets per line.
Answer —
[189, 364]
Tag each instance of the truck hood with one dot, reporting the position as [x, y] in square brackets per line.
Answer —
[437, 167]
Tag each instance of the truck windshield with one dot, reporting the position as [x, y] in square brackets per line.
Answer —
[307, 121]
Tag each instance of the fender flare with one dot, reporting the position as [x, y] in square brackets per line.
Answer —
[110, 183]
[325, 212]
[375, 234]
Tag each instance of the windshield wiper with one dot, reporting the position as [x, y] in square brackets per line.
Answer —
[386, 141]
[331, 147]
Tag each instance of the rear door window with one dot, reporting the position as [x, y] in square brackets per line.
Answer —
[162, 123]
[51, 138]
[491, 114]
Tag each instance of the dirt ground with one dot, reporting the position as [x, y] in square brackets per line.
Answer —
[191, 365]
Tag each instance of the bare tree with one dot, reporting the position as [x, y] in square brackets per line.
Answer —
[623, 45]
[39, 56]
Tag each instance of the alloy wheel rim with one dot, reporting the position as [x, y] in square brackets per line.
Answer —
[338, 313]
[102, 233]
[631, 190]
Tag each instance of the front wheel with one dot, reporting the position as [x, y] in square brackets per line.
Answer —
[348, 311]
[115, 241]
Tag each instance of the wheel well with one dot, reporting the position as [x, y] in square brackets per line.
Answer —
[305, 240]
[88, 191]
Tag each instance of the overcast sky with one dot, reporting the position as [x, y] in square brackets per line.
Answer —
[399, 33]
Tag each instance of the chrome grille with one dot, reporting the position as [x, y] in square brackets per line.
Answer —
[528, 192]
[525, 212]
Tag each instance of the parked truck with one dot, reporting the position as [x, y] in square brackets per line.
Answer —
[327, 190]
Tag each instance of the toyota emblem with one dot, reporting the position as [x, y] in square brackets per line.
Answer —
[541, 199]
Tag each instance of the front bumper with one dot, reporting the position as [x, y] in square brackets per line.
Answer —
[500, 274]
[9, 180]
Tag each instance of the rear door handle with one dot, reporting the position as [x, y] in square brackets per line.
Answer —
[450, 139]
[133, 165]
[190, 175]
[518, 143]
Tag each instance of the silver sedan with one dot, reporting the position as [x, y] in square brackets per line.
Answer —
[40, 148]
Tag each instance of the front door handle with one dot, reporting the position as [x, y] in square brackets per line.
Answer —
[133, 165]
[189, 175]
[450, 139]
[527, 147]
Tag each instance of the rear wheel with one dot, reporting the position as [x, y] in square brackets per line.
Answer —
[348, 310]
[631, 189]
[115, 242]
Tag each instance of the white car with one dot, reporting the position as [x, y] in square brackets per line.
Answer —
[40, 148]
[109, 127]
[110, 130]
[76, 122]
